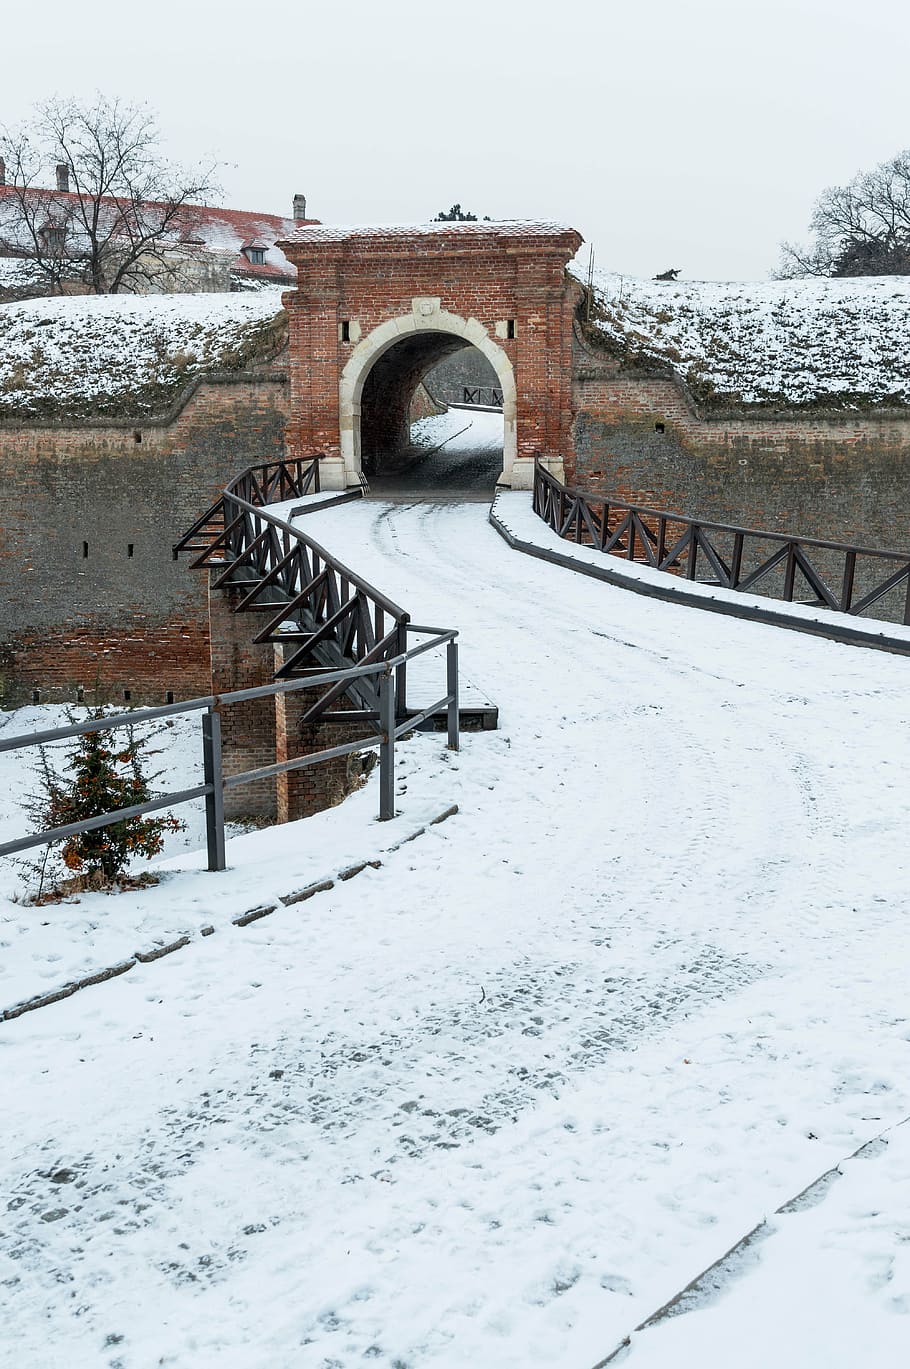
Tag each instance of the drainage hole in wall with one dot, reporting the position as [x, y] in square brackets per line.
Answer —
[660, 427]
[129, 550]
[169, 697]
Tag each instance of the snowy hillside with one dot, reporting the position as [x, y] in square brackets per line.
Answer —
[103, 354]
[835, 343]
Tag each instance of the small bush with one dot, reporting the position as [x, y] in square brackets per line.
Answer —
[103, 772]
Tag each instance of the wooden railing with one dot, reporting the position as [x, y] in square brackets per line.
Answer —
[269, 483]
[486, 396]
[811, 571]
[323, 614]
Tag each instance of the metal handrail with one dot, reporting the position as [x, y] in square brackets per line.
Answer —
[394, 611]
[216, 781]
[574, 492]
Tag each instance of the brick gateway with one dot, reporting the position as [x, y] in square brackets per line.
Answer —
[376, 308]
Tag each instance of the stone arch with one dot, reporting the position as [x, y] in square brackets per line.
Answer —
[426, 317]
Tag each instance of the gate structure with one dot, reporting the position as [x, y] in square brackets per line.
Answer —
[376, 308]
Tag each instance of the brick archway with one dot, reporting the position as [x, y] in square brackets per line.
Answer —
[426, 321]
[500, 287]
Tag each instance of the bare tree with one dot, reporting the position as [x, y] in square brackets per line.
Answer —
[861, 229]
[115, 208]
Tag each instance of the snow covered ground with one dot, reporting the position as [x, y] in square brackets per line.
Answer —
[497, 1100]
[89, 351]
[457, 454]
[826, 1282]
[459, 430]
[795, 341]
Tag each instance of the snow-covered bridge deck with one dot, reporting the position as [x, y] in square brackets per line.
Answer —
[496, 1100]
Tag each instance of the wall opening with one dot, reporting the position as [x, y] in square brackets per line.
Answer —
[400, 402]
[417, 432]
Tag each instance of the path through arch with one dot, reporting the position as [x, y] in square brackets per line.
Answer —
[405, 444]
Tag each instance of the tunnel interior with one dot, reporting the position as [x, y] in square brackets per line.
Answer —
[392, 397]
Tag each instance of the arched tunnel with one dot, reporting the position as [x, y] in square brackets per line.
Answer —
[401, 443]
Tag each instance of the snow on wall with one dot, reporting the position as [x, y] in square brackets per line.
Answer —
[839, 343]
[87, 353]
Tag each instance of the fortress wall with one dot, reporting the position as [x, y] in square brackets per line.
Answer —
[842, 475]
[116, 618]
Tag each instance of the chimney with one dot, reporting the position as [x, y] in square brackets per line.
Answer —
[63, 177]
[2, 172]
[299, 208]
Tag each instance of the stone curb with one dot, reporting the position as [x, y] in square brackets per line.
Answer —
[813, 1192]
[672, 594]
[243, 920]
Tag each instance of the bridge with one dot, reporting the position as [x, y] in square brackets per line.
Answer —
[621, 974]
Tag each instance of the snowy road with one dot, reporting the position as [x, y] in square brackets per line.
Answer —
[462, 458]
[494, 1102]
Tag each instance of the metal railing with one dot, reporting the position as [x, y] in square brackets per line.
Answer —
[331, 616]
[834, 575]
[270, 482]
[356, 636]
[490, 396]
[215, 782]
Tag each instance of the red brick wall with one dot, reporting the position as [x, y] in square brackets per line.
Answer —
[249, 735]
[844, 476]
[372, 280]
[89, 590]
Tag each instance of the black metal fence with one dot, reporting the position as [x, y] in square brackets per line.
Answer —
[323, 614]
[811, 571]
[215, 782]
[485, 396]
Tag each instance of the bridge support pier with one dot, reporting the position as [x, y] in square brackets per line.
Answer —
[248, 730]
[334, 475]
[300, 793]
[262, 732]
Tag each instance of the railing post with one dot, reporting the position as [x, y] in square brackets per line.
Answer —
[693, 551]
[790, 572]
[452, 691]
[846, 594]
[386, 747]
[214, 802]
[401, 674]
[736, 564]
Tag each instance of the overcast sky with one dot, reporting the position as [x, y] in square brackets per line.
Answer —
[688, 133]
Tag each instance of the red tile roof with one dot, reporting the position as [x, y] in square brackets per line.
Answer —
[218, 230]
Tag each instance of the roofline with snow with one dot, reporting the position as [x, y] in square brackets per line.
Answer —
[533, 234]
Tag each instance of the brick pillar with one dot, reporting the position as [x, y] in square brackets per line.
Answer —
[248, 729]
[314, 367]
[303, 792]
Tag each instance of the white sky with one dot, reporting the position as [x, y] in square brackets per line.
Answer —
[689, 133]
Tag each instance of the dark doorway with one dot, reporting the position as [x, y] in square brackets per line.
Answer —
[418, 438]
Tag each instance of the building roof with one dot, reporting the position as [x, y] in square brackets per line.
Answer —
[216, 230]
